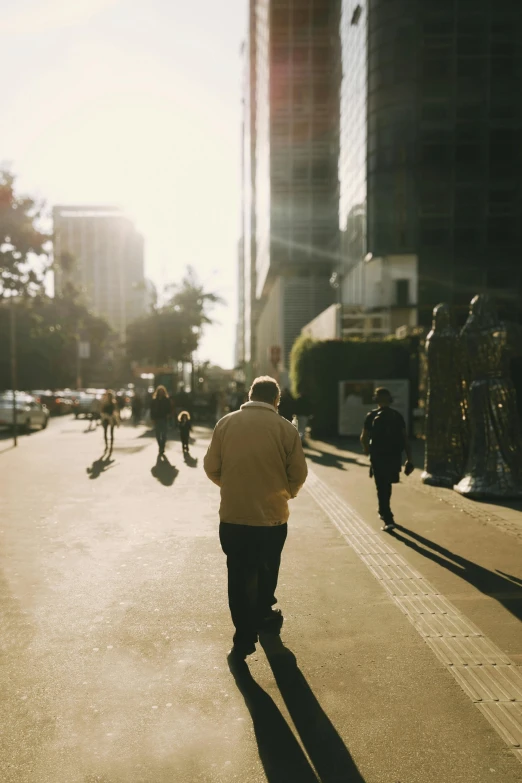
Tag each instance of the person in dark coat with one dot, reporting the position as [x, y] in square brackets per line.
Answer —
[384, 438]
[160, 411]
[287, 405]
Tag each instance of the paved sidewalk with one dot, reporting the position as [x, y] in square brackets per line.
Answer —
[115, 632]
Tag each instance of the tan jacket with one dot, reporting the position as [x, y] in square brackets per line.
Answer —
[257, 459]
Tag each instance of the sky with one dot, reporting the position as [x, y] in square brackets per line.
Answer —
[136, 104]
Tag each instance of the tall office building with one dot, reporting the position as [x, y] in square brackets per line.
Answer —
[431, 155]
[239, 353]
[108, 261]
[292, 108]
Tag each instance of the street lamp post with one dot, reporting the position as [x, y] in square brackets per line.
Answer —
[13, 366]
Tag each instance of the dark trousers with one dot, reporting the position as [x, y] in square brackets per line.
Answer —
[161, 433]
[185, 439]
[384, 476]
[253, 560]
[108, 427]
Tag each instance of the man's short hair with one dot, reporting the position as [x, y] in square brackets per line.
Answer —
[382, 394]
[264, 389]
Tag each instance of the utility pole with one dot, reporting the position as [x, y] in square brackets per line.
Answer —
[14, 382]
[78, 364]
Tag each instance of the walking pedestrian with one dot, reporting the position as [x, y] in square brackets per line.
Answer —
[185, 426]
[287, 407]
[137, 408]
[256, 458]
[160, 411]
[384, 438]
[110, 416]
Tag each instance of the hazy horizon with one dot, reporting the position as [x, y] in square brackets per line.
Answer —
[137, 107]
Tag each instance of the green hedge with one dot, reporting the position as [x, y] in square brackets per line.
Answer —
[317, 366]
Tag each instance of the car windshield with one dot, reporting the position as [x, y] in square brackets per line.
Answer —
[21, 398]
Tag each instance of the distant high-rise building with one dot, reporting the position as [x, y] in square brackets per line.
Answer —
[431, 155]
[240, 328]
[107, 256]
[291, 144]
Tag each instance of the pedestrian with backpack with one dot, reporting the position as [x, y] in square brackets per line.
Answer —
[384, 438]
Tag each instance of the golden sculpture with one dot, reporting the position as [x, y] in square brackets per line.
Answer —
[444, 456]
[494, 463]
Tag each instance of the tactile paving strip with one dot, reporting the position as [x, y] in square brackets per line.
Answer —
[490, 679]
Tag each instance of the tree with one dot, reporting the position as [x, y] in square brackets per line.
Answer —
[171, 332]
[21, 242]
[47, 342]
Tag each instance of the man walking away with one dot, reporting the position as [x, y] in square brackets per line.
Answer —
[256, 458]
[160, 410]
[384, 438]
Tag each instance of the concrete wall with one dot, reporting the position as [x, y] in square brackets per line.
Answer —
[372, 284]
[325, 326]
[269, 328]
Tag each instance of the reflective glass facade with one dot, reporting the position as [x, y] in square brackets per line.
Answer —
[437, 154]
[297, 130]
[469, 154]
[354, 130]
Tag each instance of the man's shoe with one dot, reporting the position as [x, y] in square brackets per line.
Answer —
[272, 623]
[240, 651]
[387, 526]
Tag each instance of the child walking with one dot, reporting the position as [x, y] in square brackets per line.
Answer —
[185, 426]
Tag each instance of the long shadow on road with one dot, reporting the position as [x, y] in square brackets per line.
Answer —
[100, 465]
[322, 742]
[191, 462]
[505, 589]
[280, 753]
[164, 472]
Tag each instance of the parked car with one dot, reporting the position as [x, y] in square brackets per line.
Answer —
[87, 404]
[57, 402]
[29, 412]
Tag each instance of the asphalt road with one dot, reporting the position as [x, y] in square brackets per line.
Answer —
[115, 631]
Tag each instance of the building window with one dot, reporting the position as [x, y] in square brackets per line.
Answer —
[435, 232]
[356, 15]
[435, 111]
[502, 231]
[321, 56]
[436, 154]
[320, 15]
[402, 292]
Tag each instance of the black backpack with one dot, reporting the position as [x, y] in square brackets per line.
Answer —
[386, 434]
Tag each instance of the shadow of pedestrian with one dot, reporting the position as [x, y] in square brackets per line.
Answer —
[164, 472]
[504, 588]
[100, 465]
[191, 462]
[281, 755]
[324, 746]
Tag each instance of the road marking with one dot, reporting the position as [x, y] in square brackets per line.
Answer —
[486, 674]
